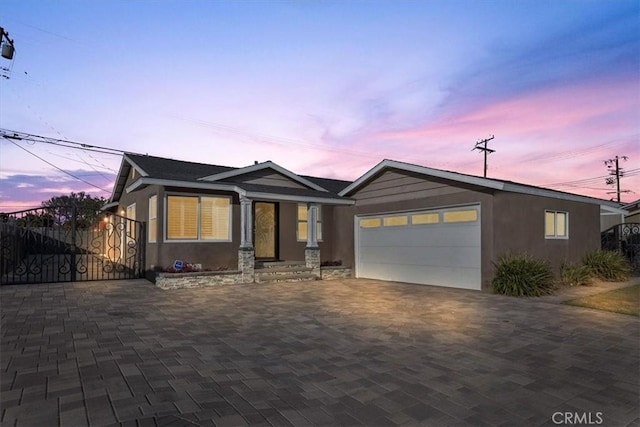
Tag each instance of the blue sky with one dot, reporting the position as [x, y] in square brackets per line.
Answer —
[323, 88]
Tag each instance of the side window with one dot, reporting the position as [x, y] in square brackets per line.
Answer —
[556, 225]
[153, 219]
[302, 222]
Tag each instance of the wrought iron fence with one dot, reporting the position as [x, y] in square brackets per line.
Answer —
[626, 239]
[66, 244]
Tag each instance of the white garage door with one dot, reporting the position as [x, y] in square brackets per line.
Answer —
[435, 247]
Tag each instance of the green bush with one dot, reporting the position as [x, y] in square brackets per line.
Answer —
[574, 274]
[522, 276]
[607, 265]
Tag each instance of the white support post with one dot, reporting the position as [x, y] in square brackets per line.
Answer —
[312, 251]
[312, 225]
[246, 223]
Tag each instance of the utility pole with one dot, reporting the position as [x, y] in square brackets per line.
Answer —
[480, 147]
[616, 173]
[7, 48]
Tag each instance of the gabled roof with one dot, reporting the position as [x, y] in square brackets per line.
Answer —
[159, 167]
[633, 206]
[262, 166]
[489, 183]
[177, 173]
[332, 185]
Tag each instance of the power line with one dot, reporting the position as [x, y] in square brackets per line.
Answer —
[60, 169]
[570, 154]
[20, 136]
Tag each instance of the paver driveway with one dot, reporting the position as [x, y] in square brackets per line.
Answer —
[319, 353]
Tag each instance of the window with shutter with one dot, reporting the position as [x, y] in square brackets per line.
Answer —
[198, 218]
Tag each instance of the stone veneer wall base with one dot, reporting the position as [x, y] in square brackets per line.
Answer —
[197, 279]
[336, 272]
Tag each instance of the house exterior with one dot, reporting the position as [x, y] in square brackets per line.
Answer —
[633, 212]
[225, 217]
[398, 222]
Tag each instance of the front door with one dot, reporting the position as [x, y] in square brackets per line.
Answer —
[265, 230]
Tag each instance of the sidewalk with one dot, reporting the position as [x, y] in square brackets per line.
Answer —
[568, 293]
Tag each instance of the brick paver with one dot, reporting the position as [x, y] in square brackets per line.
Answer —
[352, 352]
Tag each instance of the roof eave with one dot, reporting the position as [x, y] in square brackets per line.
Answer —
[262, 166]
[392, 164]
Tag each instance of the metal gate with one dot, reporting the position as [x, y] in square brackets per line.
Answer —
[67, 244]
[626, 239]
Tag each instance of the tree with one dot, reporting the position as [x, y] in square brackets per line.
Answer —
[86, 207]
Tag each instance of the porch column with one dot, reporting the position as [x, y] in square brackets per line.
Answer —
[312, 225]
[246, 223]
[312, 251]
[246, 254]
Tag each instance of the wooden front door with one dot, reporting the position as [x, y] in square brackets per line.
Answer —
[265, 228]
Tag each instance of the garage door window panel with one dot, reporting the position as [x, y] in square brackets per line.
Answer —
[460, 216]
[425, 218]
[370, 223]
[395, 221]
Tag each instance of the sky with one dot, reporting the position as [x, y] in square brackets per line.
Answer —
[324, 88]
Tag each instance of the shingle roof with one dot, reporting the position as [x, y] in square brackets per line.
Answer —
[159, 167]
[332, 185]
[180, 170]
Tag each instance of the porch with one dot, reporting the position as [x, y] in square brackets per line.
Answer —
[259, 251]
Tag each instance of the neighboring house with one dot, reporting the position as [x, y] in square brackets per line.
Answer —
[397, 222]
[633, 210]
[612, 215]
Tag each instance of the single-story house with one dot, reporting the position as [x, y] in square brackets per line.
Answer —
[633, 212]
[397, 222]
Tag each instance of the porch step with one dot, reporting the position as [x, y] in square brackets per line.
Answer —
[279, 264]
[283, 271]
[280, 278]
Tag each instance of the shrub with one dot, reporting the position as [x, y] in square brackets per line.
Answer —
[607, 265]
[574, 274]
[521, 275]
[331, 263]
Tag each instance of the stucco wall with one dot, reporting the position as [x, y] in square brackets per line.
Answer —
[341, 245]
[609, 220]
[511, 222]
[163, 254]
[519, 228]
[293, 250]
[635, 217]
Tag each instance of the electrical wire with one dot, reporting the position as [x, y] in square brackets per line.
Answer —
[10, 134]
[51, 164]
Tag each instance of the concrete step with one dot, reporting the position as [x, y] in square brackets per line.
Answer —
[279, 264]
[275, 271]
[280, 278]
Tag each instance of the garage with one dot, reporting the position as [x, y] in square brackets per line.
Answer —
[429, 247]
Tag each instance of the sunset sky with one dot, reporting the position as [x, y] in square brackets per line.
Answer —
[325, 88]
